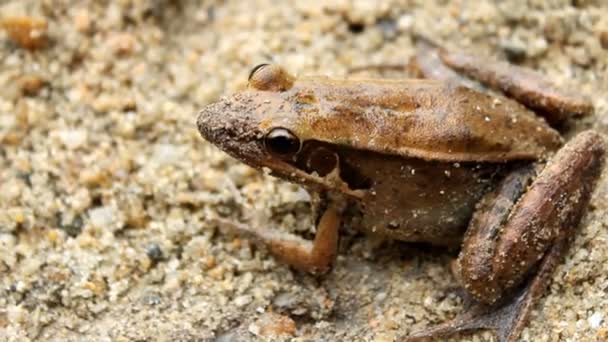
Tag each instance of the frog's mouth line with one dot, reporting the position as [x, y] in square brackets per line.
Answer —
[331, 181]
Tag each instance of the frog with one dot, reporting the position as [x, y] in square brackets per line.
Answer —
[467, 154]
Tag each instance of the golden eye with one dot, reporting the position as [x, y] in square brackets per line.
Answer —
[281, 142]
[270, 77]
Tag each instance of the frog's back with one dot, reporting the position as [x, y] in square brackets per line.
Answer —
[410, 199]
[419, 118]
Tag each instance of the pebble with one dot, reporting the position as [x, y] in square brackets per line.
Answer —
[271, 324]
[82, 21]
[103, 217]
[604, 39]
[122, 44]
[72, 139]
[154, 252]
[405, 22]
[515, 50]
[31, 84]
[596, 320]
[27, 32]
[242, 301]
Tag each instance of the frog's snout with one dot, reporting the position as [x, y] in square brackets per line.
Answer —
[207, 124]
[231, 128]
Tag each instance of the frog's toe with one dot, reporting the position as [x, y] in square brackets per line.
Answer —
[314, 257]
[501, 319]
[506, 318]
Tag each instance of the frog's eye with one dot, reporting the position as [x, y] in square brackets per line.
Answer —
[256, 68]
[282, 142]
[270, 77]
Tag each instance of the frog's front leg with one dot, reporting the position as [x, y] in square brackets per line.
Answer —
[313, 257]
[512, 239]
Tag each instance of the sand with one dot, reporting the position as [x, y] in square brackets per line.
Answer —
[106, 186]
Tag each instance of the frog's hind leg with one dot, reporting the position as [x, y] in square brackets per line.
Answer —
[314, 257]
[527, 86]
[426, 63]
[506, 318]
[513, 245]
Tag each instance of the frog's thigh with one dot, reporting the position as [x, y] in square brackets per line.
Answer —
[474, 268]
[505, 241]
[496, 258]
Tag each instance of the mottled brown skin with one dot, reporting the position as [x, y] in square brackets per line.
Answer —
[418, 160]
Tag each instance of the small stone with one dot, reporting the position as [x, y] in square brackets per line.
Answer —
[254, 329]
[272, 324]
[558, 29]
[154, 252]
[242, 301]
[285, 300]
[385, 337]
[95, 177]
[217, 272]
[405, 22]
[122, 44]
[30, 85]
[580, 56]
[72, 139]
[16, 314]
[389, 28]
[584, 3]
[164, 154]
[604, 39]
[53, 236]
[73, 228]
[595, 320]
[151, 299]
[82, 21]
[514, 49]
[28, 32]
[102, 217]
[228, 336]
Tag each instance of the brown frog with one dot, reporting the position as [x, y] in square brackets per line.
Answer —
[425, 160]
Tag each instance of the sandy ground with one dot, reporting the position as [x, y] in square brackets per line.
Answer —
[106, 185]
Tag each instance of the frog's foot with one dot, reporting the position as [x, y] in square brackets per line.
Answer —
[507, 318]
[313, 257]
[514, 228]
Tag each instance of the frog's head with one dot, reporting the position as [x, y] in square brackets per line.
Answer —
[265, 126]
